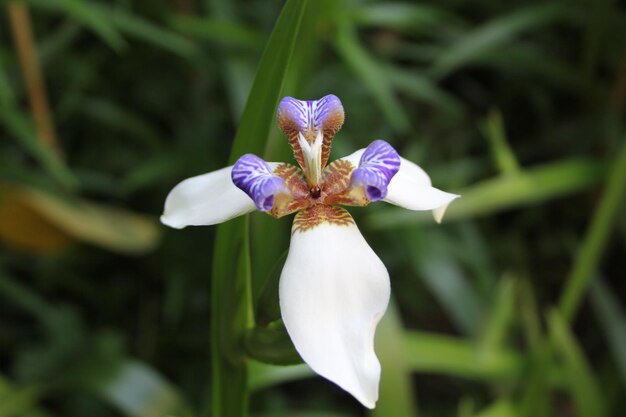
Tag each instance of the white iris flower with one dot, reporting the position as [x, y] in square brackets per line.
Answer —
[333, 288]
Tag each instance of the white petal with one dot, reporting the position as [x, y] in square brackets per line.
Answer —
[355, 157]
[333, 291]
[412, 189]
[205, 200]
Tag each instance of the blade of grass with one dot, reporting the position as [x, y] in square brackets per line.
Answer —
[228, 32]
[500, 318]
[142, 29]
[231, 316]
[57, 43]
[306, 61]
[532, 186]
[424, 353]
[433, 353]
[396, 395]
[474, 251]
[535, 399]
[413, 18]
[19, 125]
[494, 33]
[612, 318]
[6, 92]
[263, 375]
[130, 385]
[42, 140]
[584, 390]
[445, 279]
[86, 14]
[258, 115]
[21, 128]
[304, 64]
[231, 312]
[423, 89]
[527, 60]
[501, 408]
[123, 119]
[371, 74]
[16, 401]
[598, 12]
[596, 238]
[238, 72]
[301, 414]
[503, 155]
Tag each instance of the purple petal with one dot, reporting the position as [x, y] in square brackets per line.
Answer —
[254, 177]
[378, 164]
[308, 118]
[309, 115]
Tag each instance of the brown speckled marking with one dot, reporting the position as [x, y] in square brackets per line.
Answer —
[334, 190]
[337, 177]
[319, 214]
[298, 192]
[332, 124]
[290, 128]
[294, 178]
[336, 186]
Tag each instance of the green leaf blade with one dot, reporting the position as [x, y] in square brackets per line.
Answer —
[232, 312]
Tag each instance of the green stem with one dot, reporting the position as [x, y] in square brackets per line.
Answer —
[503, 155]
[231, 317]
[396, 389]
[596, 239]
[232, 308]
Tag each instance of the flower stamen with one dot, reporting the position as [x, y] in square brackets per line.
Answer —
[312, 155]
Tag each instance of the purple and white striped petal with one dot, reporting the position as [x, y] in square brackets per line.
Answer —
[309, 115]
[378, 164]
[411, 188]
[254, 176]
[308, 118]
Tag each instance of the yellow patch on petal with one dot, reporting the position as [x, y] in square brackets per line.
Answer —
[320, 214]
[294, 179]
[296, 199]
[336, 186]
[337, 177]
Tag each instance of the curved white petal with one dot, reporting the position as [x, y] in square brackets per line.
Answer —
[205, 200]
[412, 189]
[333, 291]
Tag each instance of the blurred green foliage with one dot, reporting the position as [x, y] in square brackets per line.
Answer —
[512, 307]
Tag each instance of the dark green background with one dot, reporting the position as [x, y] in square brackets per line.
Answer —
[512, 307]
